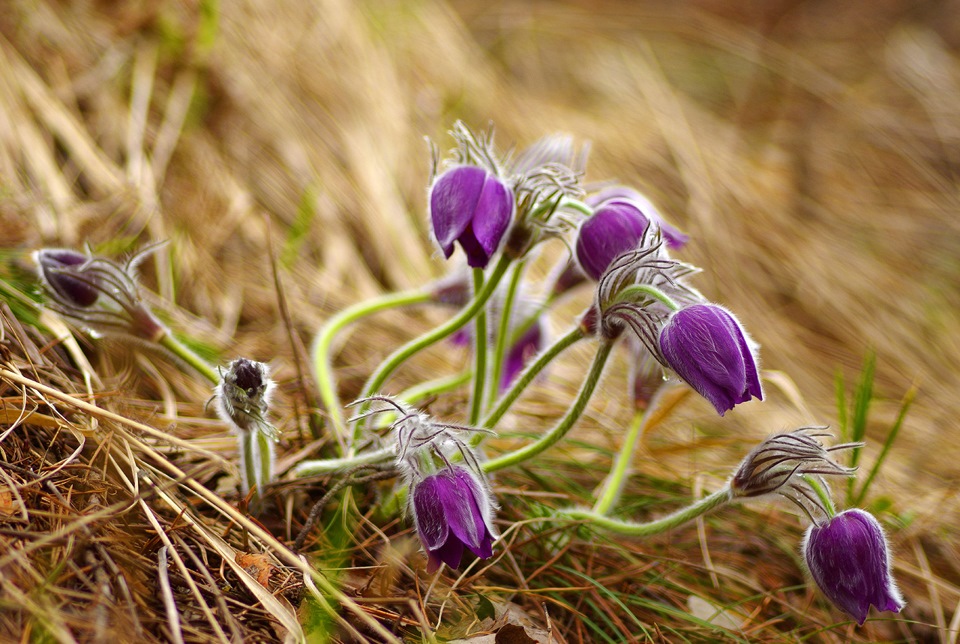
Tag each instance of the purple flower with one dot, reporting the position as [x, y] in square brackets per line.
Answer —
[620, 194]
[706, 346]
[470, 205]
[56, 265]
[527, 346]
[612, 230]
[452, 511]
[849, 559]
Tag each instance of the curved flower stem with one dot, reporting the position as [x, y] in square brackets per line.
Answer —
[613, 486]
[823, 493]
[568, 421]
[629, 292]
[479, 352]
[323, 361]
[503, 333]
[187, 355]
[434, 387]
[395, 359]
[528, 375]
[328, 465]
[650, 528]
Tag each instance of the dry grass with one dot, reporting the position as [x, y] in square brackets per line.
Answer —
[809, 150]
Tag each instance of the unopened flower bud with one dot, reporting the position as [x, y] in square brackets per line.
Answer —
[706, 346]
[56, 265]
[673, 236]
[849, 559]
[453, 512]
[472, 206]
[611, 231]
[100, 294]
[243, 396]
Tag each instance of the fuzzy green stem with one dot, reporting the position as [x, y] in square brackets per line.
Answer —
[528, 374]
[248, 462]
[187, 355]
[434, 387]
[651, 528]
[398, 357]
[479, 352]
[503, 333]
[323, 360]
[565, 424]
[823, 494]
[613, 486]
[630, 292]
[328, 465]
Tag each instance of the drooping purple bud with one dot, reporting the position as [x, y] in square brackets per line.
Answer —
[706, 346]
[452, 511]
[849, 559]
[612, 230]
[470, 205]
[55, 269]
[618, 194]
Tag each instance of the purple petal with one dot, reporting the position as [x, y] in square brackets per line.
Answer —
[428, 511]
[520, 353]
[453, 201]
[463, 513]
[674, 237]
[493, 214]
[849, 560]
[611, 231]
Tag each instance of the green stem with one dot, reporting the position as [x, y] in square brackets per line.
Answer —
[565, 424]
[479, 352]
[395, 359]
[323, 360]
[434, 387]
[658, 526]
[824, 495]
[529, 374]
[503, 333]
[630, 292]
[248, 461]
[613, 486]
[187, 355]
[329, 465]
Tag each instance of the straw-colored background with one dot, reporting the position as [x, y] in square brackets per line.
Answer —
[810, 149]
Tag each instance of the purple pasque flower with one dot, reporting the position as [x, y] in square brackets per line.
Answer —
[471, 206]
[612, 230]
[453, 512]
[849, 559]
[706, 346]
[56, 266]
[100, 294]
[618, 194]
[520, 353]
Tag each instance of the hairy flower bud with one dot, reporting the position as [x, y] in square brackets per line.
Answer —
[100, 294]
[453, 512]
[618, 194]
[706, 346]
[472, 206]
[56, 265]
[849, 559]
[243, 396]
[612, 230]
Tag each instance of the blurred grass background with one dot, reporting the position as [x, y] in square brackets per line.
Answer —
[809, 148]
